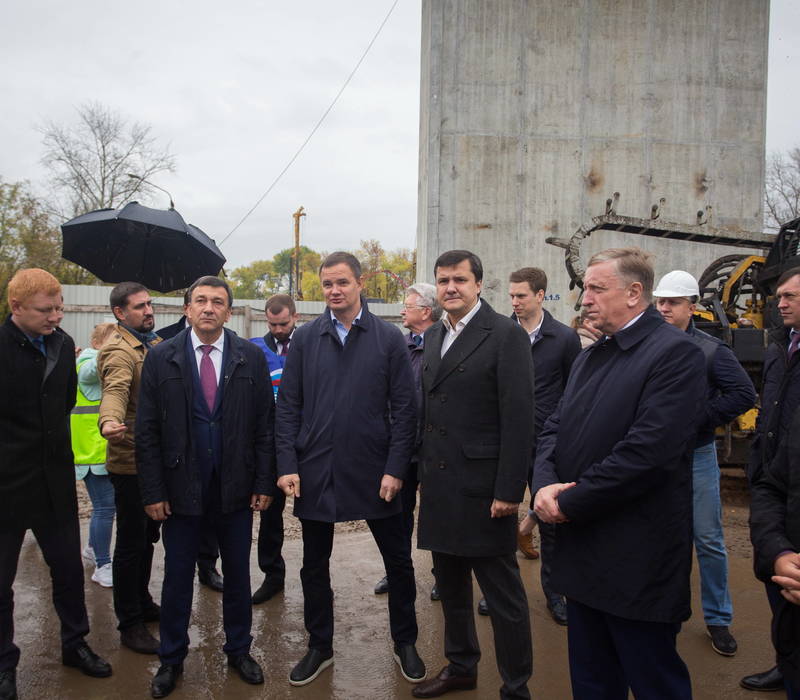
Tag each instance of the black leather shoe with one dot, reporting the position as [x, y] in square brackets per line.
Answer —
[766, 681]
[137, 638]
[382, 586]
[483, 607]
[151, 613]
[8, 685]
[411, 666]
[163, 682]
[558, 611]
[722, 640]
[269, 589]
[84, 659]
[248, 668]
[444, 683]
[310, 666]
[435, 593]
[210, 578]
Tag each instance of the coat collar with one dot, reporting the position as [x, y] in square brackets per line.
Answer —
[630, 336]
[474, 333]
[363, 324]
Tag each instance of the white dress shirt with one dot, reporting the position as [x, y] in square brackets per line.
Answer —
[215, 354]
[453, 333]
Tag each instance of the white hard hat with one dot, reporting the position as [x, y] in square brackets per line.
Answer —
[677, 283]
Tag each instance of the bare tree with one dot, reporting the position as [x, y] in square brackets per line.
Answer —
[782, 189]
[89, 162]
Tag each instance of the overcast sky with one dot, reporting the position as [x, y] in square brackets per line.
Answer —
[234, 91]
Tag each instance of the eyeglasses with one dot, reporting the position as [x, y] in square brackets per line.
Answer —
[408, 307]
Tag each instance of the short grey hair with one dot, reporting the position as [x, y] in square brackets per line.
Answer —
[633, 265]
[427, 295]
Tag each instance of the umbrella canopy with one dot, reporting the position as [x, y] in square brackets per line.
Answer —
[154, 247]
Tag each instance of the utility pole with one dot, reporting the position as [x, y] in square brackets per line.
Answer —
[294, 269]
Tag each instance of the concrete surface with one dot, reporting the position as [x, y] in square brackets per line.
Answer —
[363, 668]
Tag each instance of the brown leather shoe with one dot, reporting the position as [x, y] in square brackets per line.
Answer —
[443, 683]
[525, 544]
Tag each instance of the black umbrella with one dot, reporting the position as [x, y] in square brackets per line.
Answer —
[154, 247]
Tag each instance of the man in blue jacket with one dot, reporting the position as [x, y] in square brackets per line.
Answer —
[281, 315]
[730, 393]
[613, 472]
[345, 430]
[204, 449]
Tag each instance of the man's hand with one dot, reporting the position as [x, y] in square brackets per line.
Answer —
[787, 576]
[290, 485]
[158, 511]
[545, 504]
[500, 509]
[113, 431]
[527, 525]
[258, 501]
[390, 487]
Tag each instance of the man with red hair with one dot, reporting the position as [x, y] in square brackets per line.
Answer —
[37, 479]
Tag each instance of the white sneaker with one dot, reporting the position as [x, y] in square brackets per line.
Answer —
[104, 576]
[88, 554]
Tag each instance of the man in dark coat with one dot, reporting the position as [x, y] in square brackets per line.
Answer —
[204, 449]
[281, 315]
[37, 479]
[775, 491]
[345, 431]
[478, 384]
[554, 348]
[207, 557]
[613, 471]
[730, 393]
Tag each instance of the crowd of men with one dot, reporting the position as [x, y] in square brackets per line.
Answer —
[357, 421]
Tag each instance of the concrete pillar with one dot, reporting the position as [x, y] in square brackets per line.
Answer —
[534, 112]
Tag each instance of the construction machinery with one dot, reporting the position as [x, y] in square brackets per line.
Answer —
[737, 290]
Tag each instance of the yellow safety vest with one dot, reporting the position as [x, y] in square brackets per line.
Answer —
[88, 445]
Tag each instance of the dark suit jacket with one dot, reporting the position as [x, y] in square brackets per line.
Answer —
[624, 432]
[166, 458]
[478, 437]
[172, 329]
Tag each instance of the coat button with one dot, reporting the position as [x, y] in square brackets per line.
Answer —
[431, 395]
[442, 431]
[441, 465]
[443, 398]
[770, 434]
[461, 368]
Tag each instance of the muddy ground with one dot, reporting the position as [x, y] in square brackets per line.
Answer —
[363, 667]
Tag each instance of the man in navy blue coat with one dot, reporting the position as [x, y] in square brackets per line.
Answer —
[205, 450]
[345, 430]
[613, 472]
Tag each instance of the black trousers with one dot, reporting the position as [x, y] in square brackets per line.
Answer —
[609, 654]
[133, 552]
[547, 539]
[501, 584]
[61, 547]
[270, 539]
[395, 548]
[182, 534]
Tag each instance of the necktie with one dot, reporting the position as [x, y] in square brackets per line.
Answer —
[39, 343]
[794, 344]
[417, 340]
[208, 378]
[285, 348]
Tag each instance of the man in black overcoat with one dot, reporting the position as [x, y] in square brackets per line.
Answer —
[37, 478]
[477, 379]
[613, 472]
[774, 471]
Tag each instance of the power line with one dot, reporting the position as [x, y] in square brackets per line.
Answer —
[316, 126]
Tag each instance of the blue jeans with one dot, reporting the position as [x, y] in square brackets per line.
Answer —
[709, 542]
[101, 493]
